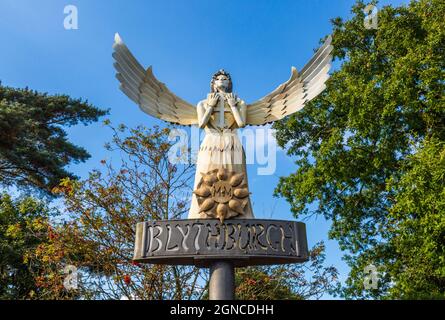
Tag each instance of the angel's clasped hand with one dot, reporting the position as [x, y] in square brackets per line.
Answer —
[231, 99]
[213, 99]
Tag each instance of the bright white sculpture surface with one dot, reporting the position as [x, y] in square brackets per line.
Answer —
[221, 188]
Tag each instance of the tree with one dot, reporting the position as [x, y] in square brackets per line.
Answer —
[370, 153]
[98, 236]
[34, 149]
[24, 226]
[418, 221]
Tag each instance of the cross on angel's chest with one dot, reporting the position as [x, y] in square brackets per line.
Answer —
[222, 116]
[221, 110]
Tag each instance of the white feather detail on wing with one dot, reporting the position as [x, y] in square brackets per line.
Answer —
[151, 95]
[292, 95]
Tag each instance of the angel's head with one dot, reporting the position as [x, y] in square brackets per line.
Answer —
[221, 82]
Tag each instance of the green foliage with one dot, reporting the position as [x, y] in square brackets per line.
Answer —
[370, 150]
[23, 227]
[418, 219]
[34, 148]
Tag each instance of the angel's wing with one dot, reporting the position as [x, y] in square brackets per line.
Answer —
[152, 96]
[292, 95]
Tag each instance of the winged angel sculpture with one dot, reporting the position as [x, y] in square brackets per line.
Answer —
[220, 188]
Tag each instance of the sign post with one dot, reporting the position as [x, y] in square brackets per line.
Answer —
[221, 246]
[222, 281]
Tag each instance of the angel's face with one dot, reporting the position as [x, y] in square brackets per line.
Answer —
[221, 83]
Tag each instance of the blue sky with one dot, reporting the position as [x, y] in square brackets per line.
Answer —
[186, 42]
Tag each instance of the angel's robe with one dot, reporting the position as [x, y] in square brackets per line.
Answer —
[221, 147]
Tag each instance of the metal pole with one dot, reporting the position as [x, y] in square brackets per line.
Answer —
[222, 281]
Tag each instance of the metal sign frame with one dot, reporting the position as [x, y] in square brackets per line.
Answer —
[201, 242]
